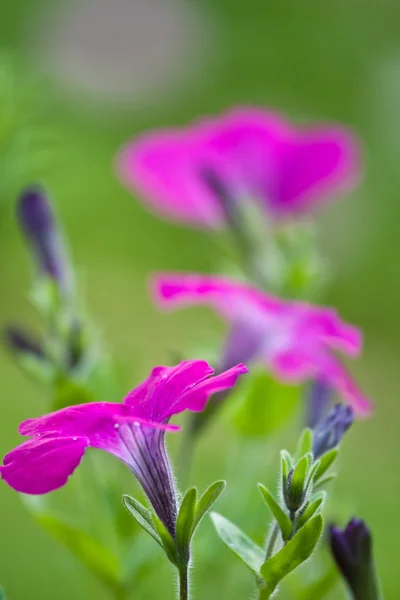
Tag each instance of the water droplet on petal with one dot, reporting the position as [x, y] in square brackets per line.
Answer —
[116, 425]
[74, 438]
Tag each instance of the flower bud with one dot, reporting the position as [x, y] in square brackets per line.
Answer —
[37, 222]
[20, 342]
[352, 551]
[295, 488]
[329, 432]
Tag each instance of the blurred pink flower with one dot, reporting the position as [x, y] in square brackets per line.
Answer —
[295, 340]
[133, 431]
[254, 154]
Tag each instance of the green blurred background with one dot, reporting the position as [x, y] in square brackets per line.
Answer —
[79, 79]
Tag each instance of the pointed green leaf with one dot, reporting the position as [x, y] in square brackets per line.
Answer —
[311, 510]
[296, 486]
[312, 474]
[282, 518]
[244, 547]
[184, 523]
[285, 455]
[143, 516]
[326, 461]
[292, 555]
[322, 482]
[168, 541]
[92, 553]
[286, 465]
[305, 443]
[207, 500]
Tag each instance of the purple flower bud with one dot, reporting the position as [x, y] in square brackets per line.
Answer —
[319, 398]
[20, 342]
[329, 431]
[352, 551]
[38, 224]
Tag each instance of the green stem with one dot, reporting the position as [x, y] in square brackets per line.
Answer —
[263, 593]
[120, 593]
[272, 541]
[184, 583]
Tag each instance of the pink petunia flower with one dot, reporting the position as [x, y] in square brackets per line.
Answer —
[295, 340]
[133, 431]
[252, 153]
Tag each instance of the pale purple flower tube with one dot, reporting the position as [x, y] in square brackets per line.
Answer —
[255, 154]
[133, 431]
[297, 341]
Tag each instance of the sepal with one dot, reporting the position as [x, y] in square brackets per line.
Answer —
[282, 518]
[143, 516]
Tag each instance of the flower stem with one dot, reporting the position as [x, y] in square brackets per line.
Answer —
[272, 541]
[184, 583]
[120, 593]
[263, 594]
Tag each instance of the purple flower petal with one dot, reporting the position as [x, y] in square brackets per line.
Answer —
[174, 389]
[254, 153]
[41, 465]
[133, 431]
[299, 339]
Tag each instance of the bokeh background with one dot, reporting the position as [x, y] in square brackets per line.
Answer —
[77, 79]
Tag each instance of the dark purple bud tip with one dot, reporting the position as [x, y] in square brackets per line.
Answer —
[329, 432]
[37, 222]
[19, 342]
[352, 552]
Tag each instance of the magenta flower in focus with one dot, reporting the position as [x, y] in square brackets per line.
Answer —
[251, 154]
[133, 431]
[296, 340]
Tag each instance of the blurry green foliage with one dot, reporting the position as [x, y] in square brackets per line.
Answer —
[26, 139]
[263, 404]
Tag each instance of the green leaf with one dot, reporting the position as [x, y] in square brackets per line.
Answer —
[296, 486]
[2, 594]
[184, 523]
[293, 554]
[312, 473]
[267, 404]
[206, 501]
[286, 465]
[305, 443]
[326, 460]
[143, 516]
[92, 553]
[244, 547]
[168, 541]
[282, 518]
[311, 510]
[322, 482]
